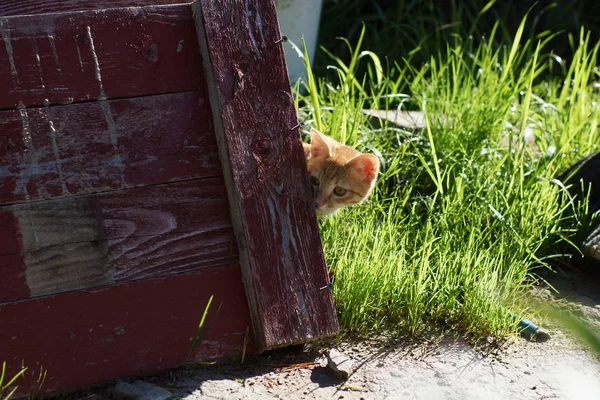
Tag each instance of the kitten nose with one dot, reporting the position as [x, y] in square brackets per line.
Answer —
[316, 206]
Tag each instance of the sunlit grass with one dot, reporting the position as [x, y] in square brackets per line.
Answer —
[467, 209]
[9, 384]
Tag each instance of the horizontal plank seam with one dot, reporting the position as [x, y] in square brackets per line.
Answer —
[41, 106]
[101, 10]
[105, 285]
[109, 6]
[84, 194]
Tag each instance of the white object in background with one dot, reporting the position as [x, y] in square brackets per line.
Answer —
[298, 18]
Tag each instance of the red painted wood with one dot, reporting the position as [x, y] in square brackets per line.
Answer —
[59, 58]
[10, 239]
[81, 148]
[13, 284]
[87, 337]
[89, 241]
[24, 7]
[263, 161]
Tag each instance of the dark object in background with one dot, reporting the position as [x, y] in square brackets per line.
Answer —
[588, 172]
[396, 28]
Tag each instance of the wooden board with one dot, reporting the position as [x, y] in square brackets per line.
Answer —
[90, 241]
[253, 111]
[87, 337]
[82, 148]
[115, 224]
[60, 58]
[25, 7]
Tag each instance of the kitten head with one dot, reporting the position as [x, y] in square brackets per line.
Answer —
[340, 176]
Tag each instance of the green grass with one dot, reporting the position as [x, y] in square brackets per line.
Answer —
[9, 384]
[464, 212]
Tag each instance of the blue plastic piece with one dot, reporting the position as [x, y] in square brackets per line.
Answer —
[531, 330]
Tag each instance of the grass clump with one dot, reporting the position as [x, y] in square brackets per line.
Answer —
[468, 208]
[8, 382]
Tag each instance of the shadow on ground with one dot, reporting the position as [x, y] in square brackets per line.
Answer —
[577, 290]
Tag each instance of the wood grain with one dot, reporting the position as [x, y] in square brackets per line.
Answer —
[87, 337]
[60, 58]
[89, 241]
[263, 162]
[25, 7]
[91, 147]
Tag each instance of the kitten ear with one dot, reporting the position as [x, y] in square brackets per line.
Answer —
[365, 167]
[318, 145]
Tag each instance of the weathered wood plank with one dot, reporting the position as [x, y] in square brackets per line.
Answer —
[82, 148]
[25, 7]
[280, 249]
[13, 285]
[86, 337]
[90, 241]
[178, 207]
[61, 58]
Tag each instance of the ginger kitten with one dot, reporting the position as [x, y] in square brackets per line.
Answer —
[340, 176]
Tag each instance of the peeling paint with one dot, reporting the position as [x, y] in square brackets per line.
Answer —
[8, 45]
[248, 14]
[52, 133]
[260, 30]
[79, 55]
[180, 46]
[54, 52]
[27, 170]
[112, 131]
[102, 95]
[38, 62]
[26, 130]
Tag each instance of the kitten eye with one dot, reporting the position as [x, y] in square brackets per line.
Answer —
[339, 191]
[314, 181]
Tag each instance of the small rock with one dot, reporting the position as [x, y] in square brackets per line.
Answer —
[139, 390]
[340, 364]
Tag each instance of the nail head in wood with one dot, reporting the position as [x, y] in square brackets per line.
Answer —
[282, 39]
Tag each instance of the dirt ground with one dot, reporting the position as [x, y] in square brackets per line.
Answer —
[560, 368]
